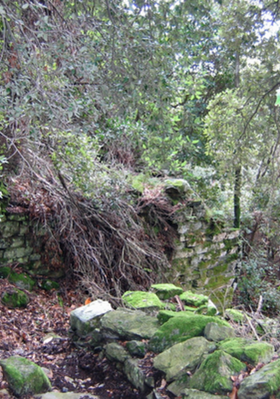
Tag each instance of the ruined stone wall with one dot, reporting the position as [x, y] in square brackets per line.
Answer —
[27, 243]
[206, 253]
[205, 256]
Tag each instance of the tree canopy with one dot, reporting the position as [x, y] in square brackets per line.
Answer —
[93, 92]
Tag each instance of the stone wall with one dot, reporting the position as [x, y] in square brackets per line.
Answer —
[26, 242]
[205, 257]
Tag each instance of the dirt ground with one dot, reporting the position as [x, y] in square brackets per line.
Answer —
[26, 332]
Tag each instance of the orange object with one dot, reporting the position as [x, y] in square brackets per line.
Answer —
[87, 301]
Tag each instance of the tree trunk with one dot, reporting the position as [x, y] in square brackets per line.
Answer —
[237, 195]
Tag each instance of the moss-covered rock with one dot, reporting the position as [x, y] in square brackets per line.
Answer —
[216, 333]
[247, 350]
[193, 299]
[182, 357]
[49, 285]
[262, 384]
[164, 315]
[15, 298]
[136, 348]
[166, 291]
[142, 300]
[179, 329]
[215, 372]
[128, 324]
[235, 315]
[22, 281]
[24, 377]
[116, 352]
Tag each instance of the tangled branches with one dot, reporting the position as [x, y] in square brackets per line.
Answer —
[107, 247]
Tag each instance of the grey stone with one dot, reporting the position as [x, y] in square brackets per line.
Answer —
[183, 357]
[262, 384]
[114, 351]
[136, 348]
[86, 318]
[24, 377]
[216, 333]
[134, 374]
[128, 324]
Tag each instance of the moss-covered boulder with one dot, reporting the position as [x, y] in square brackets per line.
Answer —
[262, 384]
[15, 298]
[164, 315]
[22, 281]
[179, 329]
[215, 373]
[216, 333]
[142, 300]
[235, 315]
[247, 350]
[196, 300]
[49, 285]
[24, 377]
[166, 291]
[128, 324]
[182, 357]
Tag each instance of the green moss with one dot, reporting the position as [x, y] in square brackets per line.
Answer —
[5, 271]
[164, 315]
[235, 315]
[180, 328]
[215, 372]
[193, 299]
[248, 351]
[15, 299]
[24, 376]
[139, 299]
[49, 285]
[22, 281]
[166, 291]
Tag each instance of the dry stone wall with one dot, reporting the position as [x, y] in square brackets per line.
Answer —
[206, 253]
[26, 242]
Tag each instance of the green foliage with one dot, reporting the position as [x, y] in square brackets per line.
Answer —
[258, 279]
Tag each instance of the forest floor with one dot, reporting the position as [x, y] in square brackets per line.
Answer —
[26, 332]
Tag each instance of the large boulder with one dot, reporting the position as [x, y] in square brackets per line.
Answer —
[128, 325]
[182, 357]
[247, 350]
[179, 329]
[24, 377]
[216, 333]
[262, 384]
[215, 373]
[15, 298]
